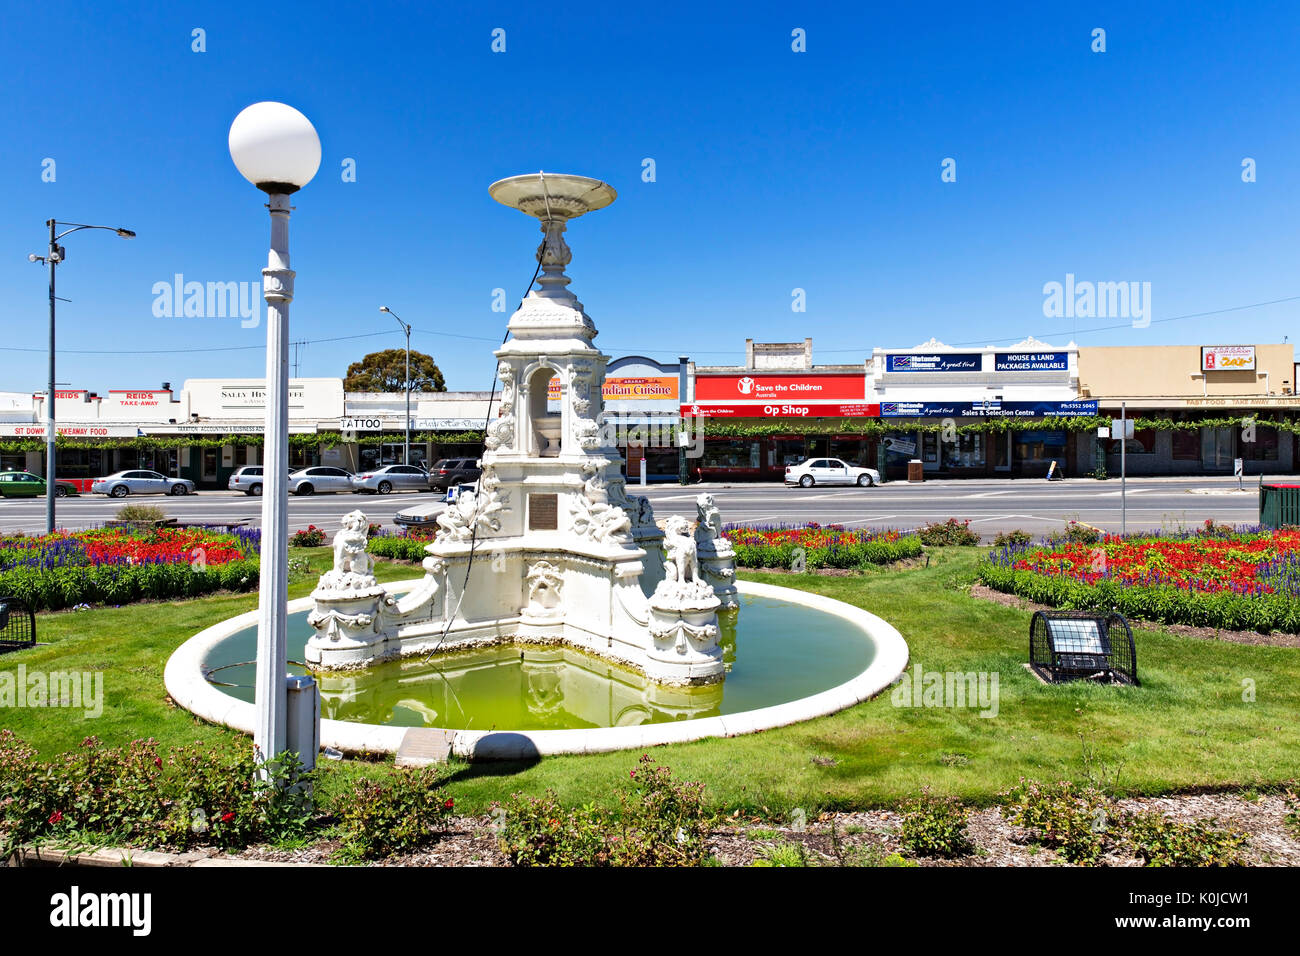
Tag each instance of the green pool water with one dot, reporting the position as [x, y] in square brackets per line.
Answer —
[775, 651]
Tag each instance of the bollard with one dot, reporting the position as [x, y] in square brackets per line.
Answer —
[304, 720]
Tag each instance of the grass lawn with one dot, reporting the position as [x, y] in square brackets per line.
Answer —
[1186, 727]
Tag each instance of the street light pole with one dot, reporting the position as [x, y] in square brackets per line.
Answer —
[53, 256]
[51, 489]
[406, 458]
[275, 148]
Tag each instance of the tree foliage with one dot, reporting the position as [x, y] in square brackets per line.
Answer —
[386, 372]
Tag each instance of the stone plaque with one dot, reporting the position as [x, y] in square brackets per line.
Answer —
[543, 512]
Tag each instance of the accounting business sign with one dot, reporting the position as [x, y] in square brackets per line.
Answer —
[1227, 358]
[934, 362]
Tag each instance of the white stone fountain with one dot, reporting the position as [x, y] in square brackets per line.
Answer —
[549, 548]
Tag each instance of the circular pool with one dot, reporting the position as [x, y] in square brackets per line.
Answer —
[790, 655]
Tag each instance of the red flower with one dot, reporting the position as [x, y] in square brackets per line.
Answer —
[449, 804]
[227, 817]
[157, 762]
[56, 817]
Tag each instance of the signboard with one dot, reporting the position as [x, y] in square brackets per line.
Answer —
[654, 388]
[1031, 361]
[986, 409]
[220, 398]
[146, 398]
[1227, 358]
[71, 430]
[900, 446]
[934, 362]
[1121, 427]
[1238, 466]
[364, 425]
[783, 410]
[249, 427]
[785, 387]
[448, 424]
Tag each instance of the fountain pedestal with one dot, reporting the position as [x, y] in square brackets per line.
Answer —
[548, 548]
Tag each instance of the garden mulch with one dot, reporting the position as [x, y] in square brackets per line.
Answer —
[1274, 639]
[868, 837]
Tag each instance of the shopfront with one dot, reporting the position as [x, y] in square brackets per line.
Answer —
[757, 421]
[1197, 409]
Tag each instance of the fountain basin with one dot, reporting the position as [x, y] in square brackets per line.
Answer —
[565, 701]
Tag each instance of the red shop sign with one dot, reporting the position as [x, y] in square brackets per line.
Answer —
[786, 387]
[783, 410]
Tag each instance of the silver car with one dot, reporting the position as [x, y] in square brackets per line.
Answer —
[391, 478]
[318, 479]
[141, 482]
[248, 479]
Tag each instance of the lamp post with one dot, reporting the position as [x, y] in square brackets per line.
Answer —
[52, 258]
[277, 150]
[406, 458]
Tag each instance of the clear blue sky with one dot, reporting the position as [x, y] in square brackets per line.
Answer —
[775, 170]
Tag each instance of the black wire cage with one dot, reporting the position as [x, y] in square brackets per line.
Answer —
[1082, 645]
[17, 624]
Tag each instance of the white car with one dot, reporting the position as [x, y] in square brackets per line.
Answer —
[829, 471]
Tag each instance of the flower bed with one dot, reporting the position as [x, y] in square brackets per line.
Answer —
[1215, 577]
[407, 545]
[813, 546]
[117, 565]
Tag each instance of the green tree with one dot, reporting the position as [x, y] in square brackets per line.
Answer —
[386, 372]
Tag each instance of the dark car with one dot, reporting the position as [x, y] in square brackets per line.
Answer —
[453, 471]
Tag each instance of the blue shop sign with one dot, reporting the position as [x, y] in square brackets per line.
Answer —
[1031, 361]
[989, 409]
[934, 362]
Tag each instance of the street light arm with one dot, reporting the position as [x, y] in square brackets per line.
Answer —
[77, 227]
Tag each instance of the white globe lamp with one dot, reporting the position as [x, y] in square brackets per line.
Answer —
[274, 147]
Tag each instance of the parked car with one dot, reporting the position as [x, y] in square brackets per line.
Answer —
[391, 478]
[248, 479]
[320, 478]
[829, 471]
[23, 484]
[453, 471]
[125, 483]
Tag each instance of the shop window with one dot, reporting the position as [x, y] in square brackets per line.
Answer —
[1263, 448]
[930, 448]
[852, 450]
[1040, 446]
[788, 451]
[13, 462]
[730, 454]
[1143, 442]
[967, 451]
[1187, 444]
[300, 457]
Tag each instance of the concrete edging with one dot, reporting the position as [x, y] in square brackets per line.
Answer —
[187, 686]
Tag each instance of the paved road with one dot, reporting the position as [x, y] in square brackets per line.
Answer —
[993, 505]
